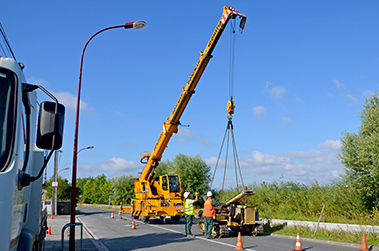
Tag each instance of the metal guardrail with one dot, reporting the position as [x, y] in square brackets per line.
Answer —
[339, 227]
[81, 233]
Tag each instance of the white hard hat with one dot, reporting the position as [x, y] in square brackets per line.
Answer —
[209, 193]
[186, 194]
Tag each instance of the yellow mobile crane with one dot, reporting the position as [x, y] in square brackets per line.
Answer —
[161, 196]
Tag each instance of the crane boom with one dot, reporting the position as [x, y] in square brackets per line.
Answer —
[171, 125]
[161, 196]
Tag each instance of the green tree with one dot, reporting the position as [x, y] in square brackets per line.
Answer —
[193, 171]
[360, 154]
[96, 190]
[123, 188]
[63, 190]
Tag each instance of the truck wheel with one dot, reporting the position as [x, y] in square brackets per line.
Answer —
[215, 230]
[145, 219]
[257, 230]
[175, 218]
[224, 231]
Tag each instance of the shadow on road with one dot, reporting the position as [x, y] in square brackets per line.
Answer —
[80, 212]
[139, 242]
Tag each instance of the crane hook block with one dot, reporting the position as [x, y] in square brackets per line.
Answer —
[230, 108]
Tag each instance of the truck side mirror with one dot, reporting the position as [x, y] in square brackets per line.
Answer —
[50, 126]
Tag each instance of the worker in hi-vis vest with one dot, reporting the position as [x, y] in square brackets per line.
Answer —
[189, 213]
[209, 212]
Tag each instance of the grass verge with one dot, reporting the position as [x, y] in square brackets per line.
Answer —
[322, 234]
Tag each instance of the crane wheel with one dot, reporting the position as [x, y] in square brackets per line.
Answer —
[257, 230]
[146, 219]
[175, 218]
[224, 231]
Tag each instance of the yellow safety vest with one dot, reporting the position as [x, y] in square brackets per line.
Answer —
[188, 209]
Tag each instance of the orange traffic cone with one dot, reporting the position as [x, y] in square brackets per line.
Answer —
[133, 225]
[112, 216]
[49, 231]
[239, 242]
[364, 246]
[52, 216]
[298, 244]
[119, 212]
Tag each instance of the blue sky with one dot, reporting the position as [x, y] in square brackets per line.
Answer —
[302, 72]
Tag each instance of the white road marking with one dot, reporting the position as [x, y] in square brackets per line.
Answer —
[197, 237]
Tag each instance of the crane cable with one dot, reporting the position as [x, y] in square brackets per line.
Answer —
[4, 42]
[229, 128]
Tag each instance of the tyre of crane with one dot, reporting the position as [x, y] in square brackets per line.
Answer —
[175, 218]
[145, 219]
[257, 230]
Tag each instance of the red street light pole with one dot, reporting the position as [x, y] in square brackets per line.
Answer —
[128, 25]
[85, 148]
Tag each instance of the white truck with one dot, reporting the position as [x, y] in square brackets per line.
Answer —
[23, 142]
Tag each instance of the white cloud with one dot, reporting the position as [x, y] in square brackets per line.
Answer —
[38, 81]
[338, 83]
[119, 164]
[128, 144]
[270, 128]
[262, 159]
[332, 144]
[259, 111]
[113, 167]
[276, 92]
[211, 161]
[335, 174]
[286, 121]
[352, 98]
[185, 135]
[299, 100]
[304, 167]
[69, 100]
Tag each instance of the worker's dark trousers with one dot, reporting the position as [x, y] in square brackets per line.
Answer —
[208, 224]
[189, 220]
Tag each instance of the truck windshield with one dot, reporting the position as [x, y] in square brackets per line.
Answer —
[7, 115]
[174, 184]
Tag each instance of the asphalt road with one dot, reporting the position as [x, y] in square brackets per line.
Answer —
[116, 235]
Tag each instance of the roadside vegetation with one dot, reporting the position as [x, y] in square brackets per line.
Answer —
[295, 201]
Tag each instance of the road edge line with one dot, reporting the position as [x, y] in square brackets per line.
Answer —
[94, 239]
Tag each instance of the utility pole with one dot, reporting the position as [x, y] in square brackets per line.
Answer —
[55, 184]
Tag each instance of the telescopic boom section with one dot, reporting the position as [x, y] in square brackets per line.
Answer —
[171, 125]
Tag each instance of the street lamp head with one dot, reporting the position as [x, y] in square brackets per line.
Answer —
[135, 25]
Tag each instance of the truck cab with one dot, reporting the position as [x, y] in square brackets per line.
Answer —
[22, 157]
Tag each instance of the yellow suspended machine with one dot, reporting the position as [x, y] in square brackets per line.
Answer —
[161, 196]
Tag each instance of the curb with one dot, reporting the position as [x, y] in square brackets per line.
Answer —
[336, 243]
